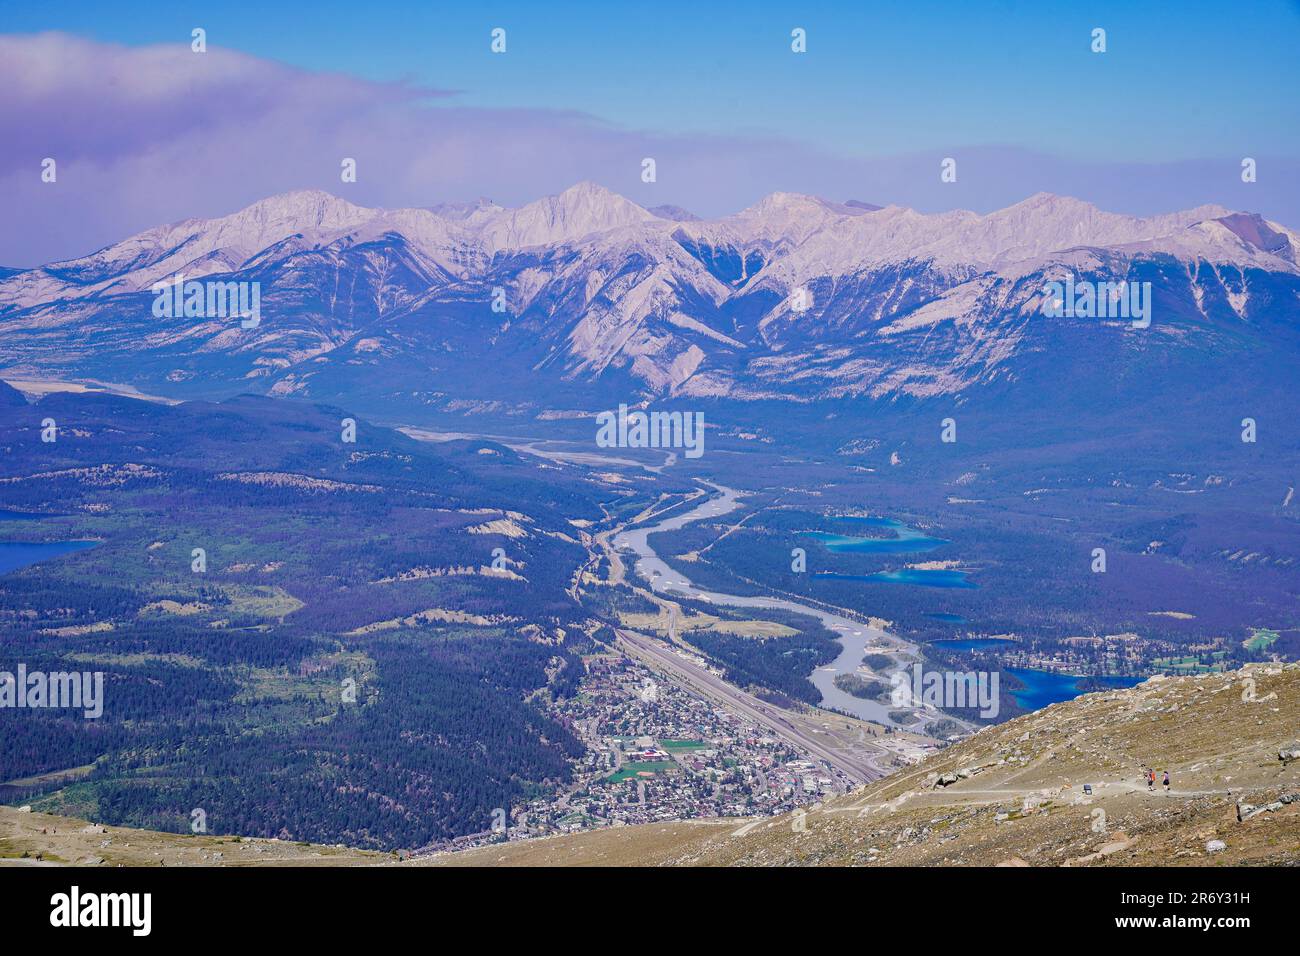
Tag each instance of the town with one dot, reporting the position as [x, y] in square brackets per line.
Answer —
[657, 752]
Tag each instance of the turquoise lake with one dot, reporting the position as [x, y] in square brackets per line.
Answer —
[924, 578]
[907, 540]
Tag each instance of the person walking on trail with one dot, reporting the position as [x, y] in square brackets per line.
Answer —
[1151, 780]
[1166, 781]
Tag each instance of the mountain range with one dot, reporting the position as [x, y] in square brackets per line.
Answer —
[585, 298]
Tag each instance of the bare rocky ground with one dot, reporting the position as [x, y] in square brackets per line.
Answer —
[41, 839]
[1012, 795]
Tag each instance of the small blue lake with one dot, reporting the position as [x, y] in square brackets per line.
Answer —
[924, 578]
[6, 515]
[23, 554]
[1043, 687]
[905, 540]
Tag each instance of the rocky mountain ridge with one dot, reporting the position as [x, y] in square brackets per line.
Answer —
[586, 296]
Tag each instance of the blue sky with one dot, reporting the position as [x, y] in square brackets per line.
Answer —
[146, 132]
[1177, 80]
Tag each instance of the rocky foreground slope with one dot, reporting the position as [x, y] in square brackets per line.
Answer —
[1058, 787]
[1014, 794]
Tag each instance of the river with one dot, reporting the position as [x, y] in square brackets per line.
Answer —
[854, 637]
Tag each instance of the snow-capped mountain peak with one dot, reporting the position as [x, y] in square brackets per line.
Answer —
[303, 208]
[596, 289]
[576, 212]
[788, 216]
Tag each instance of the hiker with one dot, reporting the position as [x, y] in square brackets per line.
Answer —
[1151, 780]
[1166, 781]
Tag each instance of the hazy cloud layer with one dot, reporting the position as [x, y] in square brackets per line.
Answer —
[147, 135]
